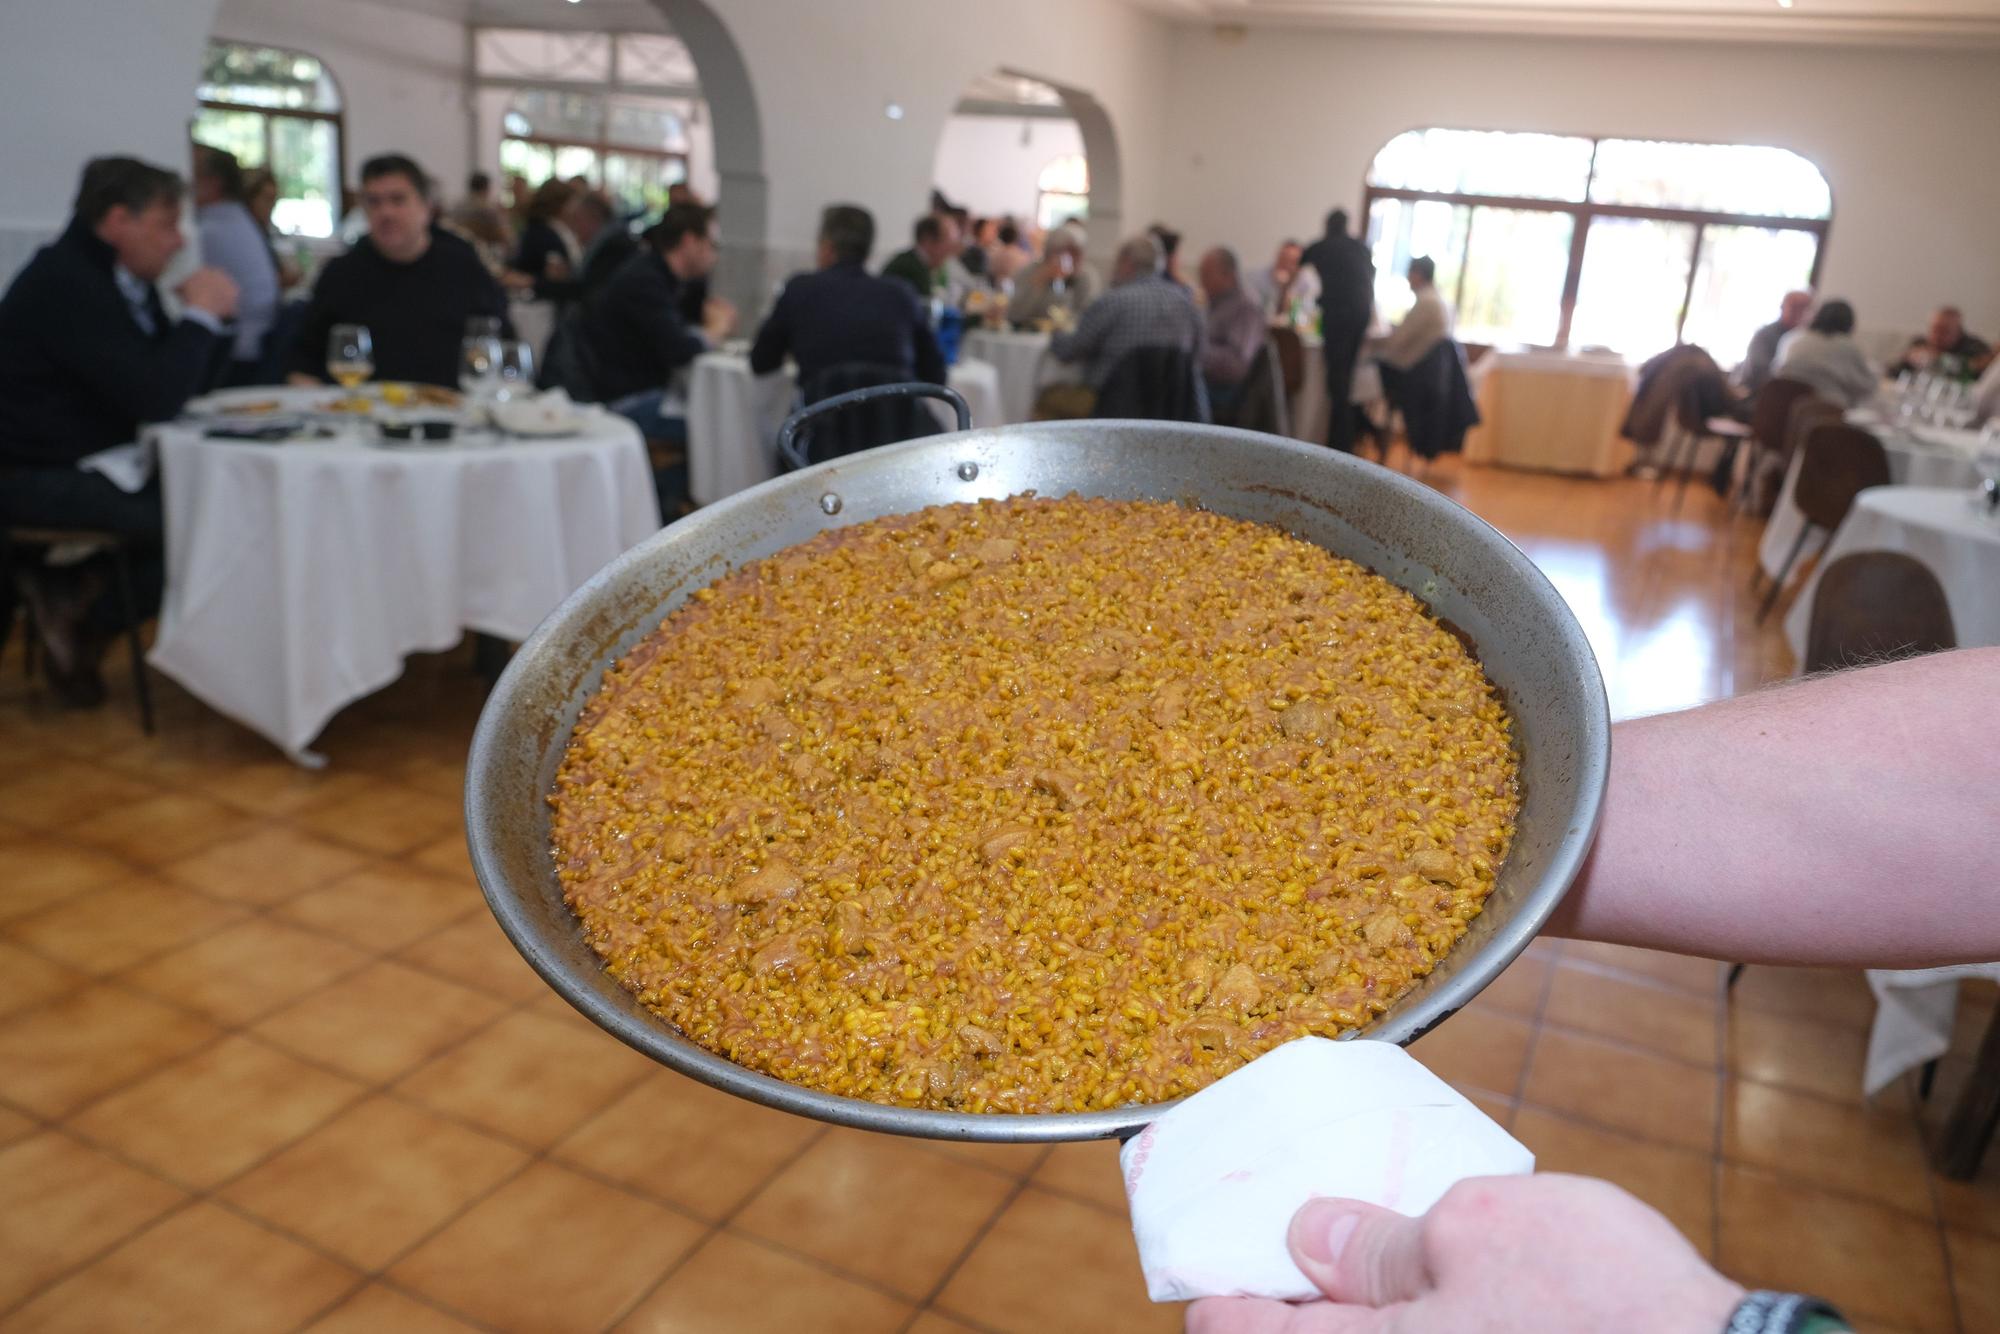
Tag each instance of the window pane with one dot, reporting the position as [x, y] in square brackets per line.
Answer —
[655, 59]
[1485, 162]
[532, 53]
[1635, 273]
[1515, 263]
[638, 183]
[576, 162]
[1722, 178]
[307, 165]
[1399, 230]
[238, 132]
[1742, 273]
[531, 162]
[539, 114]
[649, 123]
[1054, 208]
[266, 76]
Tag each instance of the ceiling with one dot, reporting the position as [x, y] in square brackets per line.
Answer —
[588, 15]
[1872, 22]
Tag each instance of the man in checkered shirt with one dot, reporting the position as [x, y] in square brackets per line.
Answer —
[1143, 308]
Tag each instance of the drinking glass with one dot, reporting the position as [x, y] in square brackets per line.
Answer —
[350, 355]
[478, 363]
[483, 326]
[514, 371]
[1987, 461]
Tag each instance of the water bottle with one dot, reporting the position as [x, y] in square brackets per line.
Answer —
[950, 327]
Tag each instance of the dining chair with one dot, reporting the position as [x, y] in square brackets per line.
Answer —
[1839, 463]
[1291, 352]
[1696, 426]
[1871, 605]
[1770, 421]
[29, 546]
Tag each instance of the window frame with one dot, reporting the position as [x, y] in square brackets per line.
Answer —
[336, 118]
[1581, 213]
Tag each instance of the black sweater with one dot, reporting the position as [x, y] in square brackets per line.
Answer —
[634, 330]
[415, 312]
[77, 373]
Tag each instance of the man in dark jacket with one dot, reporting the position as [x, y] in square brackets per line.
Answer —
[88, 355]
[1347, 303]
[842, 315]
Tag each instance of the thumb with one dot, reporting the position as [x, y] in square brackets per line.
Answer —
[1359, 1254]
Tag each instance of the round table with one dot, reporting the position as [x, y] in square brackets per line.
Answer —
[1918, 456]
[1017, 357]
[1941, 528]
[1555, 411]
[300, 574]
[733, 418]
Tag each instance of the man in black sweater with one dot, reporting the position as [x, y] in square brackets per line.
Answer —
[1347, 304]
[843, 315]
[87, 356]
[412, 284]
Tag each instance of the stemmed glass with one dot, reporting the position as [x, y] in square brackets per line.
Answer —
[478, 363]
[1988, 462]
[350, 355]
[514, 370]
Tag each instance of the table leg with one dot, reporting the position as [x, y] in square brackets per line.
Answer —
[1975, 1116]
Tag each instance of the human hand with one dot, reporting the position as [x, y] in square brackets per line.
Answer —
[1537, 1254]
[516, 281]
[209, 290]
[718, 318]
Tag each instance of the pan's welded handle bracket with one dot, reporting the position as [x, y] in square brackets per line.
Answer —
[795, 458]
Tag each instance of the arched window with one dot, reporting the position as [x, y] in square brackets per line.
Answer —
[280, 110]
[1064, 191]
[633, 146]
[1629, 244]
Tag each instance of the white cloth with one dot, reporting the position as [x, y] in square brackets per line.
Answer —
[1915, 1010]
[1926, 456]
[733, 418]
[534, 324]
[1940, 528]
[1017, 357]
[1213, 1183]
[127, 467]
[299, 575]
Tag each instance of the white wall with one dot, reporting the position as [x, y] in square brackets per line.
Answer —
[992, 164]
[1286, 123]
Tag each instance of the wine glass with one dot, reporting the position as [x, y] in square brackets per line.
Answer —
[483, 326]
[478, 363]
[350, 355]
[1987, 461]
[513, 370]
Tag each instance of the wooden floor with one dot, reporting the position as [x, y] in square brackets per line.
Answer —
[267, 1064]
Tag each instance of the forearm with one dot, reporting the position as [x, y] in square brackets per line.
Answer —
[1842, 820]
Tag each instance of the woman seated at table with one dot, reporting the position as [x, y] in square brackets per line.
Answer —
[1825, 356]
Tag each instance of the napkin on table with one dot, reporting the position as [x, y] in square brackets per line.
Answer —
[1213, 1183]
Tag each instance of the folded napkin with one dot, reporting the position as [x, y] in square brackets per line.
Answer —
[127, 467]
[1213, 1184]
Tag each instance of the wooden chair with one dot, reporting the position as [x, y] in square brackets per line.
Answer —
[1770, 422]
[1695, 428]
[1840, 462]
[1871, 605]
[30, 545]
[1291, 354]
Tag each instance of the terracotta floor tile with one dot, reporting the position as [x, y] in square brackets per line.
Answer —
[384, 907]
[57, 1056]
[1698, 976]
[1502, 1110]
[529, 1078]
[1623, 1089]
[375, 1180]
[879, 1208]
[1972, 1205]
[265, 867]
[447, 857]
[384, 819]
[678, 1139]
[1975, 1275]
[549, 1252]
[246, 971]
[930, 1322]
[61, 1203]
[279, 788]
[203, 1120]
[1518, 991]
[115, 928]
[63, 792]
[379, 1310]
[164, 828]
[1052, 1265]
[1868, 1259]
[1830, 995]
[29, 979]
[1677, 1182]
[1860, 1150]
[1642, 1012]
[202, 1269]
[1800, 1054]
[381, 1022]
[1015, 1160]
[16, 1125]
[476, 952]
[1087, 1171]
[439, 778]
[707, 1295]
[1478, 1047]
[37, 873]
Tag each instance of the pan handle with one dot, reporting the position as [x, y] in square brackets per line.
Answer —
[787, 434]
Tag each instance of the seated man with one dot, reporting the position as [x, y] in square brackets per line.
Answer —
[1061, 278]
[1427, 324]
[1235, 332]
[232, 241]
[921, 268]
[1762, 358]
[1945, 347]
[842, 315]
[1287, 282]
[412, 284]
[87, 355]
[605, 244]
[1144, 308]
[635, 340]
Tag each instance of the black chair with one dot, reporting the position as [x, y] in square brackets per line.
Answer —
[794, 435]
[30, 547]
[1263, 404]
[883, 420]
[1154, 384]
[1697, 414]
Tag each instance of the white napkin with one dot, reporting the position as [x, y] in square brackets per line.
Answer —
[1915, 1012]
[1214, 1183]
[127, 467]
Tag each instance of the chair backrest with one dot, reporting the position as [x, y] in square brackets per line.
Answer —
[866, 425]
[568, 363]
[1840, 463]
[1291, 354]
[1703, 394]
[1876, 604]
[1263, 405]
[1807, 413]
[1154, 384]
[1773, 413]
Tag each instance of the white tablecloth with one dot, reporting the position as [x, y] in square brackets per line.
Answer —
[300, 575]
[1915, 1010]
[534, 324]
[733, 418]
[1552, 411]
[1927, 456]
[1017, 357]
[1940, 528]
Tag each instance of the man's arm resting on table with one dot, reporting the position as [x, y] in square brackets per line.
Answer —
[1848, 819]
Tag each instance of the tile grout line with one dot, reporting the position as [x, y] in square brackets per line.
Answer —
[1535, 1034]
[978, 1239]
[1937, 1212]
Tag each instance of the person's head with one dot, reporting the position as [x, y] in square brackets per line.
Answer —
[395, 196]
[1422, 273]
[846, 235]
[478, 185]
[135, 208]
[935, 238]
[1218, 272]
[1007, 233]
[986, 231]
[1137, 258]
[578, 183]
[587, 214]
[217, 176]
[1336, 222]
[685, 238]
[1794, 308]
[1835, 318]
[679, 193]
[260, 193]
[518, 193]
[1290, 253]
[1168, 242]
[551, 197]
[1947, 327]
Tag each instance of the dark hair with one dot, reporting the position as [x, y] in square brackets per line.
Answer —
[1423, 266]
[679, 221]
[850, 230]
[255, 180]
[220, 167]
[1336, 222]
[1835, 317]
[929, 228]
[1009, 234]
[550, 198]
[124, 182]
[395, 164]
[478, 183]
[1167, 239]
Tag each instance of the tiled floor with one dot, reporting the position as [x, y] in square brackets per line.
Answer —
[266, 1064]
